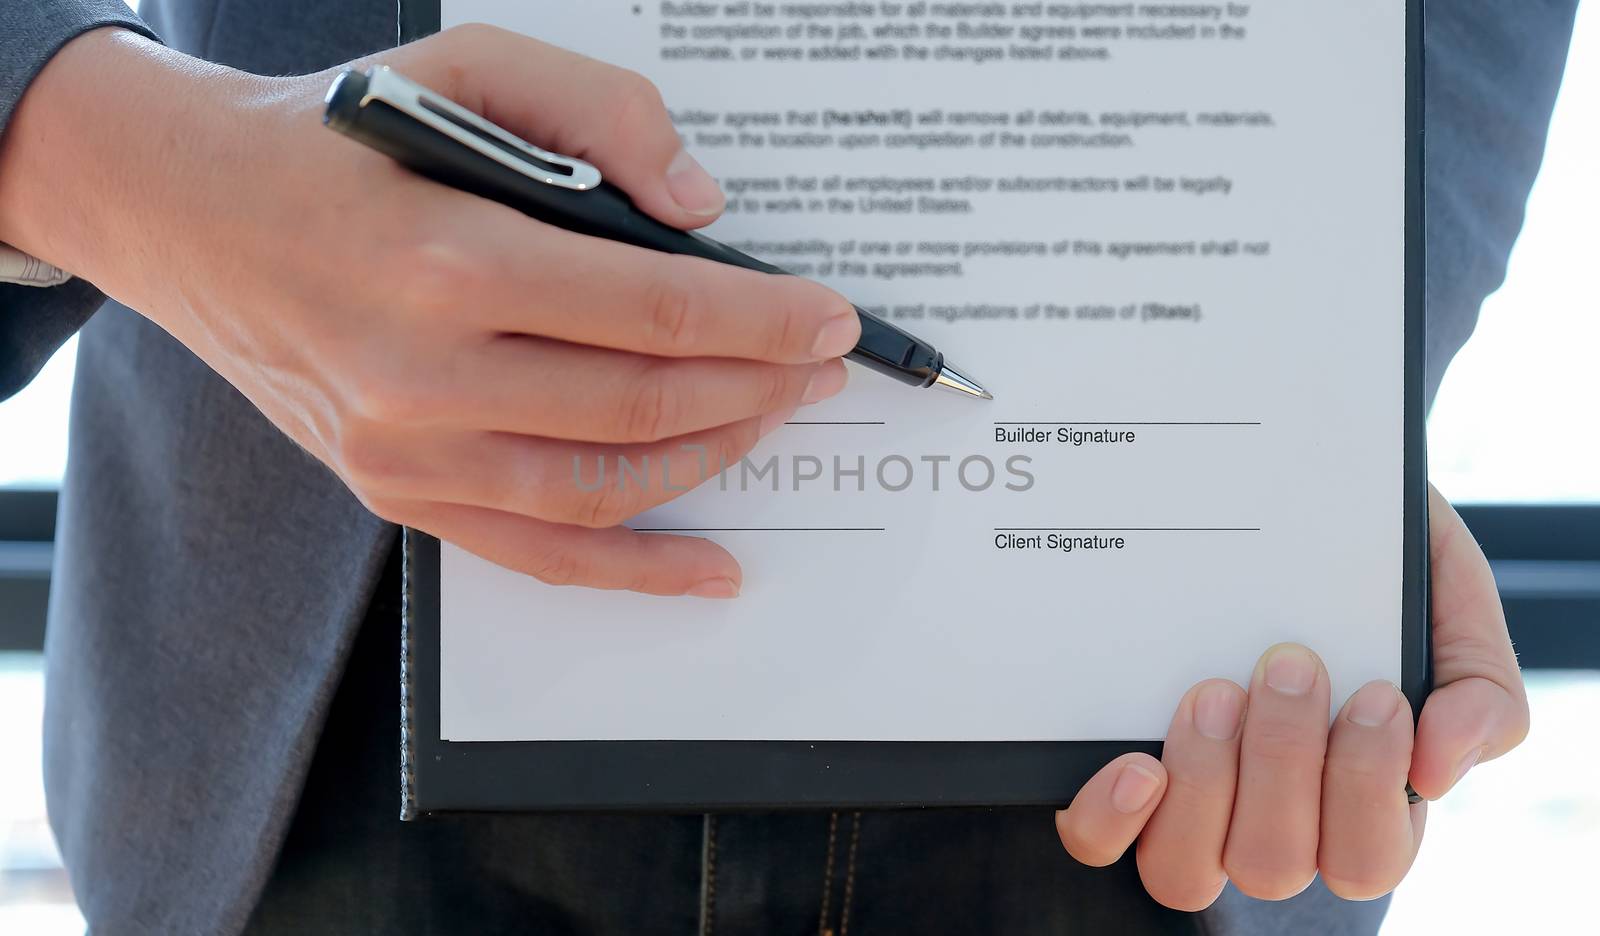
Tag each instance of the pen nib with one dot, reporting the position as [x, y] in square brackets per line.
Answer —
[952, 379]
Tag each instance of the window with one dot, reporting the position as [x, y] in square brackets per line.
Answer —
[35, 421]
[34, 894]
[1514, 421]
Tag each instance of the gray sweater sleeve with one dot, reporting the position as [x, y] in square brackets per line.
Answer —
[1493, 70]
[34, 322]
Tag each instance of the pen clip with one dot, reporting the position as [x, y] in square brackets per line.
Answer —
[389, 87]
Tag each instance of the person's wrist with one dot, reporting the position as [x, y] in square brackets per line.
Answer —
[97, 147]
[44, 178]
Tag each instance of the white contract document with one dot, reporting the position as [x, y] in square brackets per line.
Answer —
[1170, 238]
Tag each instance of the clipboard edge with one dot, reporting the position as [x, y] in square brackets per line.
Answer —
[500, 761]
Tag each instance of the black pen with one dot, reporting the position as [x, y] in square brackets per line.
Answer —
[440, 139]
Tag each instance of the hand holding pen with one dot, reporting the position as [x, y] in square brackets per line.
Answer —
[447, 357]
[444, 141]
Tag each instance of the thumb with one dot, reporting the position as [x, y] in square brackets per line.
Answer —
[573, 105]
[1478, 709]
[1111, 809]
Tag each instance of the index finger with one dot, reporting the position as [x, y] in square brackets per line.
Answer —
[1478, 709]
[556, 284]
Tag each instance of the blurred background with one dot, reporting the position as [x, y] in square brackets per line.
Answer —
[1514, 440]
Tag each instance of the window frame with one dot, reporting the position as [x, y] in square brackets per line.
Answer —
[1546, 559]
[27, 541]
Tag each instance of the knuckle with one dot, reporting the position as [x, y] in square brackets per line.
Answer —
[783, 336]
[1268, 880]
[467, 35]
[778, 387]
[448, 49]
[1282, 743]
[1361, 772]
[638, 580]
[1187, 795]
[735, 443]
[555, 565]
[652, 410]
[438, 275]
[636, 107]
[473, 31]
[673, 307]
[477, 38]
[368, 463]
[635, 98]
[386, 400]
[610, 505]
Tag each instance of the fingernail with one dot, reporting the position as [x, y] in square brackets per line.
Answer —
[838, 335]
[826, 381]
[692, 187]
[772, 421]
[715, 588]
[1291, 669]
[1218, 710]
[1467, 763]
[1374, 705]
[1133, 789]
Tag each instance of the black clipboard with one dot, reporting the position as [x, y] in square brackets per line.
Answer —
[697, 776]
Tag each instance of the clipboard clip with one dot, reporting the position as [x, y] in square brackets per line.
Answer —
[387, 86]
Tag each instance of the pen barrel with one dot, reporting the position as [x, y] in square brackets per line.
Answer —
[602, 211]
[895, 353]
